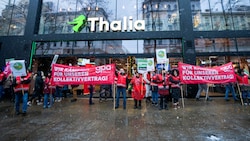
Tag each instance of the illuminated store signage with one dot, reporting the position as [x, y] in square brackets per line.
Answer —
[126, 25]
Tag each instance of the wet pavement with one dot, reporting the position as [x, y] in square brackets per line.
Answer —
[215, 120]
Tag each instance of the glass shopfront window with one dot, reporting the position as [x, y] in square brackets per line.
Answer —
[215, 45]
[243, 44]
[13, 14]
[153, 15]
[210, 15]
[108, 47]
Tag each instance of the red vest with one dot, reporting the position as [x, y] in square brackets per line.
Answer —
[175, 78]
[121, 80]
[243, 80]
[148, 76]
[2, 75]
[164, 82]
[22, 87]
[156, 79]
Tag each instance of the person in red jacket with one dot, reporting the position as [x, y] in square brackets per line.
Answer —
[164, 91]
[175, 87]
[244, 86]
[155, 81]
[139, 89]
[49, 90]
[121, 87]
[21, 88]
[2, 79]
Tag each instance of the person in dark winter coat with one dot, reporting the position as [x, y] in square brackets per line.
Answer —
[38, 89]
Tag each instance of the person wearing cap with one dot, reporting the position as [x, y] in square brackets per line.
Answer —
[121, 87]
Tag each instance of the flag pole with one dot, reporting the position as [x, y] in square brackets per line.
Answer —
[182, 97]
[240, 93]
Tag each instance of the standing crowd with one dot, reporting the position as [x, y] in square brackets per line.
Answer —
[157, 87]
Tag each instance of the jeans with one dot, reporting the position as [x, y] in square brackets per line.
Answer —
[201, 88]
[245, 94]
[123, 91]
[18, 97]
[58, 93]
[176, 94]
[1, 91]
[46, 98]
[163, 101]
[90, 95]
[148, 91]
[155, 97]
[229, 87]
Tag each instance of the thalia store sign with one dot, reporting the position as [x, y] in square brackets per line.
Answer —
[127, 24]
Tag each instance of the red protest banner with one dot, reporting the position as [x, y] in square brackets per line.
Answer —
[190, 74]
[70, 75]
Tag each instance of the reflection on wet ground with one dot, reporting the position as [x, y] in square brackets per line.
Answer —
[215, 120]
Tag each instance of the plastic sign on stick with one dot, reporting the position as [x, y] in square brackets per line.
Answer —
[161, 56]
[18, 67]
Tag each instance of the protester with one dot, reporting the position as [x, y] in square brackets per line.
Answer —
[58, 93]
[121, 87]
[244, 86]
[21, 87]
[49, 90]
[104, 90]
[147, 78]
[230, 88]
[154, 87]
[8, 88]
[138, 90]
[38, 89]
[91, 90]
[163, 90]
[175, 87]
[2, 79]
[74, 91]
[202, 87]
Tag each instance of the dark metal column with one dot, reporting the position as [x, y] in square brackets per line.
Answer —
[186, 24]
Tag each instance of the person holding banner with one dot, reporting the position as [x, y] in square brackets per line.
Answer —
[244, 86]
[91, 90]
[230, 87]
[121, 87]
[202, 87]
[138, 90]
[175, 87]
[21, 88]
[49, 90]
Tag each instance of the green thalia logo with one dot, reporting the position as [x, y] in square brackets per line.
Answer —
[79, 23]
[127, 24]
